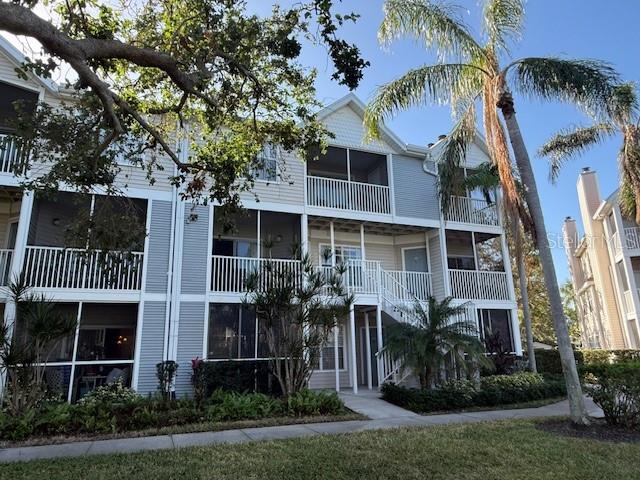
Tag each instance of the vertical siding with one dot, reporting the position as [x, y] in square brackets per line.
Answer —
[159, 244]
[437, 268]
[415, 191]
[190, 334]
[195, 253]
[151, 346]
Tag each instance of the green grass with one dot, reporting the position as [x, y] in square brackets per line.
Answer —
[499, 450]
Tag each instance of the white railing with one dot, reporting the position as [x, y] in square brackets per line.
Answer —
[632, 237]
[230, 274]
[346, 195]
[479, 285]
[14, 154]
[361, 276]
[390, 369]
[472, 210]
[397, 300]
[57, 267]
[414, 284]
[5, 266]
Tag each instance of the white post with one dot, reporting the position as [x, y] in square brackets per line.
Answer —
[336, 355]
[304, 234]
[379, 337]
[75, 353]
[258, 236]
[362, 241]
[515, 329]
[352, 334]
[333, 244]
[367, 339]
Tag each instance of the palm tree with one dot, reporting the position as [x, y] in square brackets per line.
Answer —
[486, 178]
[623, 118]
[475, 74]
[442, 329]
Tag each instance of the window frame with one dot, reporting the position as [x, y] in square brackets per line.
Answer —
[331, 345]
[264, 158]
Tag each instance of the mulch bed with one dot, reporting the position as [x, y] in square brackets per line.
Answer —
[598, 430]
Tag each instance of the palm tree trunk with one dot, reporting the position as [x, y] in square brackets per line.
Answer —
[524, 296]
[574, 390]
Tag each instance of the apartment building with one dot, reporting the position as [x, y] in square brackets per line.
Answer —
[605, 268]
[372, 206]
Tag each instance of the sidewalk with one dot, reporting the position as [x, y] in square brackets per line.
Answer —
[362, 404]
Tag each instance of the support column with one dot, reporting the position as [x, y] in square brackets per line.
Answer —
[336, 355]
[352, 335]
[362, 241]
[379, 338]
[367, 339]
[332, 236]
[515, 329]
[304, 235]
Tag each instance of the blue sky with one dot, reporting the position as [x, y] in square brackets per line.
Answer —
[568, 28]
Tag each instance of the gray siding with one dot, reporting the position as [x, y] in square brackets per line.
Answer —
[190, 334]
[437, 268]
[151, 346]
[195, 254]
[416, 192]
[327, 380]
[159, 244]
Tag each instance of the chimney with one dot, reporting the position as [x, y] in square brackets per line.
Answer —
[588, 196]
[570, 236]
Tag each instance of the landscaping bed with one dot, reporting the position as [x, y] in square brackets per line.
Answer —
[118, 411]
[490, 392]
[597, 430]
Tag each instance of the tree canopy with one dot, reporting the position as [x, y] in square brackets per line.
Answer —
[142, 69]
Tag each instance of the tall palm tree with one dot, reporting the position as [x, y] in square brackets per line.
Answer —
[442, 329]
[486, 178]
[475, 75]
[623, 118]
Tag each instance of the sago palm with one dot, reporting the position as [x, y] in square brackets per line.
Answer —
[442, 329]
[470, 72]
[624, 119]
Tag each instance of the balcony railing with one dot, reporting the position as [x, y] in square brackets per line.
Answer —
[632, 237]
[472, 210]
[14, 154]
[57, 267]
[345, 195]
[5, 266]
[410, 285]
[230, 274]
[479, 285]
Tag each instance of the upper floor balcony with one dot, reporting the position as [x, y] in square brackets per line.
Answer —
[348, 179]
[14, 154]
[473, 211]
[53, 257]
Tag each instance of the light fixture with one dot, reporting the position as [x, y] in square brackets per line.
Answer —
[55, 222]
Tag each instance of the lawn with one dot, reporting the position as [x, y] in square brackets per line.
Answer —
[509, 449]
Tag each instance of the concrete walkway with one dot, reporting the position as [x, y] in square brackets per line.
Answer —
[380, 413]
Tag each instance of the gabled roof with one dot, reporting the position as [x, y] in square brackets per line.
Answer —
[18, 58]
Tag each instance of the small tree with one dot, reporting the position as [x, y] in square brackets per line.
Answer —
[442, 330]
[166, 373]
[297, 306]
[26, 344]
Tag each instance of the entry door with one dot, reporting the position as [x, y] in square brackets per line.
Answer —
[363, 355]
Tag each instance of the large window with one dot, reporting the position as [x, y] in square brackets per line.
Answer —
[267, 164]
[327, 356]
[498, 321]
[233, 329]
[101, 351]
[344, 253]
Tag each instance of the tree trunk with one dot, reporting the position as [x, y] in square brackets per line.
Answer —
[574, 390]
[524, 296]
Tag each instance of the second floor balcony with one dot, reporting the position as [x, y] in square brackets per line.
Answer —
[473, 211]
[14, 154]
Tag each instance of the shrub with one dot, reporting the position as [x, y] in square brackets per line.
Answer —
[238, 406]
[112, 393]
[166, 374]
[490, 391]
[615, 388]
[246, 376]
[308, 402]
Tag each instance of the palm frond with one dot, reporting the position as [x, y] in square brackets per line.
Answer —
[589, 84]
[503, 21]
[484, 177]
[438, 25]
[419, 86]
[624, 104]
[453, 154]
[569, 143]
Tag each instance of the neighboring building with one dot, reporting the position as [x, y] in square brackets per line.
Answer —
[605, 269]
[372, 205]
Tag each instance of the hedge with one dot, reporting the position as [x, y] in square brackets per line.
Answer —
[490, 391]
[548, 361]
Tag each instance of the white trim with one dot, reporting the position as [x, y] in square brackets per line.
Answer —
[426, 252]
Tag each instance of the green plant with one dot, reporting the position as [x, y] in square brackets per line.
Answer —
[236, 406]
[112, 393]
[309, 402]
[198, 381]
[615, 388]
[425, 345]
[166, 373]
